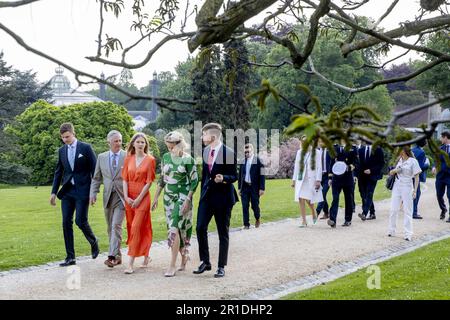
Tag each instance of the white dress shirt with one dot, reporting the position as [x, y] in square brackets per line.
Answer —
[248, 166]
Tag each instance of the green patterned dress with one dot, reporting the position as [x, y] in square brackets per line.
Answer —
[178, 177]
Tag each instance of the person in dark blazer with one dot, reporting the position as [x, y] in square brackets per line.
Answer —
[344, 182]
[251, 185]
[74, 172]
[443, 176]
[369, 171]
[424, 164]
[326, 170]
[217, 197]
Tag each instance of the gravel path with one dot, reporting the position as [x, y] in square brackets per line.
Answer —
[275, 254]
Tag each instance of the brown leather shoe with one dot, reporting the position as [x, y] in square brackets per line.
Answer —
[109, 263]
[257, 223]
[118, 260]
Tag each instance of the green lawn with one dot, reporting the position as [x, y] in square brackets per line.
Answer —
[31, 231]
[420, 275]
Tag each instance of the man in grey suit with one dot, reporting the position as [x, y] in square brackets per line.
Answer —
[109, 171]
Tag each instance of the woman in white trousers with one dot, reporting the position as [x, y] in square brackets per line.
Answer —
[404, 191]
[307, 183]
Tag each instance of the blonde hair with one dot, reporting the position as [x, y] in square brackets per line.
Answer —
[130, 146]
[176, 138]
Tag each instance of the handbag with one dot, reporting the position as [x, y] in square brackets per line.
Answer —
[390, 182]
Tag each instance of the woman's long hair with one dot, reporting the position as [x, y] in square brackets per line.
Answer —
[130, 147]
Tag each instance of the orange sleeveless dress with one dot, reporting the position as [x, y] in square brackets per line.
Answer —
[139, 223]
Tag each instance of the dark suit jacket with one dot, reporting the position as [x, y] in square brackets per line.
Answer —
[222, 194]
[82, 174]
[258, 179]
[375, 163]
[327, 161]
[443, 174]
[350, 158]
[421, 157]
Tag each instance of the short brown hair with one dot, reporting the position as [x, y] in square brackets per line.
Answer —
[212, 125]
[66, 127]
[130, 147]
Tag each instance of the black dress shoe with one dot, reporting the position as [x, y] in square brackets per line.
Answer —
[442, 215]
[347, 224]
[371, 217]
[417, 217]
[202, 268]
[331, 223]
[362, 216]
[68, 262]
[220, 273]
[95, 250]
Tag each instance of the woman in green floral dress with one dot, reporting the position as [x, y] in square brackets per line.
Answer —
[179, 179]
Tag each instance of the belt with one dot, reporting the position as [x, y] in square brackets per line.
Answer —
[248, 183]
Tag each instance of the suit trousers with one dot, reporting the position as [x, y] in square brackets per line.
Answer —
[416, 200]
[401, 194]
[336, 190]
[72, 202]
[114, 215]
[222, 214]
[367, 190]
[440, 191]
[323, 205]
[249, 195]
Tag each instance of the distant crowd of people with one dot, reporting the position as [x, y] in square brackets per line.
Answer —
[128, 175]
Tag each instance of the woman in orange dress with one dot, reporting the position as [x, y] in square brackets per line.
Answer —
[138, 174]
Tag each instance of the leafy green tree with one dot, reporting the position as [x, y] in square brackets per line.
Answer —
[18, 89]
[238, 81]
[208, 86]
[331, 64]
[37, 132]
[180, 86]
[437, 79]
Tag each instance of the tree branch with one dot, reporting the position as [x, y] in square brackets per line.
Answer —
[149, 54]
[163, 102]
[378, 82]
[408, 29]
[212, 29]
[13, 4]
[388, 12]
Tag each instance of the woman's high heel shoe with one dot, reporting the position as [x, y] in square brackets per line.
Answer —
[146, 261]
[184, 262]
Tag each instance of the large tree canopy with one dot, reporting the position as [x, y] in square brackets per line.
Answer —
[216, 22]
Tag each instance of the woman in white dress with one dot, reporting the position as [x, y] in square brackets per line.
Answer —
[404, 191]
[307, 184]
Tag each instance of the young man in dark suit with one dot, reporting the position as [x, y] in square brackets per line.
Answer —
[443, 176]
[217, 197]
[424, 164]
[369, 171]
[251, 185]
[343, 182]
[74, 171]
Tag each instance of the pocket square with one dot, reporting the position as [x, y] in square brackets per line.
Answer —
[80, 155]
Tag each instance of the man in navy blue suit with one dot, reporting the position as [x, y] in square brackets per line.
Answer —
[326, 170]
[251, 185]
[217, 197]
[369, 171]
[74, 172]
[420, 156]
[443, 176]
